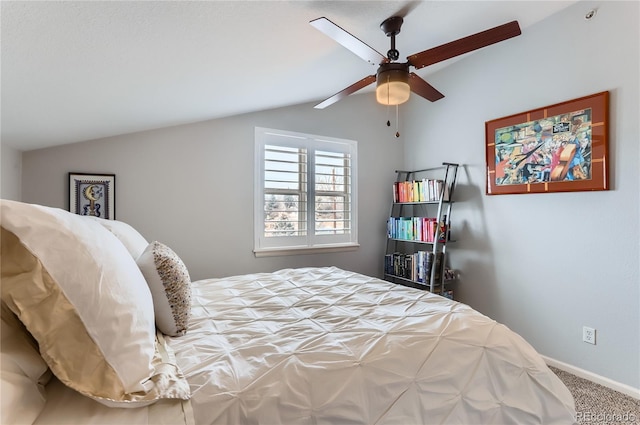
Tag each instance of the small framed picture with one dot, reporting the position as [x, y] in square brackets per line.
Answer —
[93, 194]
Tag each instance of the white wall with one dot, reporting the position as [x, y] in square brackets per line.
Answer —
[191, 186]
[10, 173]
[547, 264]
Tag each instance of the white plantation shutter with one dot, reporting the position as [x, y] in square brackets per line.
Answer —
[285, 191]
[305, 191]
[332, 193]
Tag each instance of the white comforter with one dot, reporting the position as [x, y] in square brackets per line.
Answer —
[328, 346]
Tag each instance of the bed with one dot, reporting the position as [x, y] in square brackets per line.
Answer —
[317, 345]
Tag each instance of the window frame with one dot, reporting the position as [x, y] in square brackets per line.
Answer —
[311, 242]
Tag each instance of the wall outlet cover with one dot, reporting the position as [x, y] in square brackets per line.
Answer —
[589, 335]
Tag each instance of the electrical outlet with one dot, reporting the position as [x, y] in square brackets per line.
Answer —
[589, 335]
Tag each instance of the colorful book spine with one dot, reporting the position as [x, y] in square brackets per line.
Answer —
[422, 229]
[425, 190]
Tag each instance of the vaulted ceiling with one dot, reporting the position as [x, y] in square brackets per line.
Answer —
[74, 71]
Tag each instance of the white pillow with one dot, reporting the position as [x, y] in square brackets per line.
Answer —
[170, 285]
[130, 237]
[22, 399]
[83, 298]
[23, 373]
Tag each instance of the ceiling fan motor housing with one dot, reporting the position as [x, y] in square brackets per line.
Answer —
[392, 87]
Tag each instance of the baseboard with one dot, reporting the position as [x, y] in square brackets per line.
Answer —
[606, 382]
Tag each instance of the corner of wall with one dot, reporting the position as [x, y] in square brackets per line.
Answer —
[10, 173]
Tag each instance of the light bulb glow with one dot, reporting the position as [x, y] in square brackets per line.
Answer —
[392, 87]
[392, 92]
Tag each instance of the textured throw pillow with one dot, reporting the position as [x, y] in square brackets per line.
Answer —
[77, 290]
[130, 237]
[170, 284]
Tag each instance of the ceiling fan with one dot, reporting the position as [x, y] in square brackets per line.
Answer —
[394, 80]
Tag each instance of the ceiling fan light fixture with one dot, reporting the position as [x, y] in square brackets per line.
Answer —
[394, 81]
[392, 87]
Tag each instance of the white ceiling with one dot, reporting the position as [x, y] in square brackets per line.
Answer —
[74, 71]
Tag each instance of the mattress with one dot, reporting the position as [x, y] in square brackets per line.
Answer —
[329, 346]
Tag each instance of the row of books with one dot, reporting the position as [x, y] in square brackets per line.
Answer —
[422, 229]
[447, 293]
[425, 190]
[415, 267]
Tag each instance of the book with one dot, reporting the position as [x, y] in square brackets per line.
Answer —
[422, 229]
[447, 293]
[425, 190]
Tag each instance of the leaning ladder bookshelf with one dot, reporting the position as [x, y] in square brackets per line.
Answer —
[419, 228]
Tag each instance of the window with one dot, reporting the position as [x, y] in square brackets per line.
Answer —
[305, 193]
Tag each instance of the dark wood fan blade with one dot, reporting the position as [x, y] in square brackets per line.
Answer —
[346, 92]
[465, 45]
[349, 41]
[424, 89]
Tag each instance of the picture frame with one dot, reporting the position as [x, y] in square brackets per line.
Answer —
[93, 194]
[557, 148]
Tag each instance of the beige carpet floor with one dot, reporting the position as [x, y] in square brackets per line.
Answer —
[599, 405]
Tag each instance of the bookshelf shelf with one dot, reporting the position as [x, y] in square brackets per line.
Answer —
[419, 228]
[423, 202]
[412, 241]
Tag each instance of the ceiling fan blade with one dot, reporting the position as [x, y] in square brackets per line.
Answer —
[349, 41]
[424, 89]
[465, 45]
[346, 92]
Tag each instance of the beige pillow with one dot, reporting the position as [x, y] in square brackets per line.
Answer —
[170, 285]
[81, 295]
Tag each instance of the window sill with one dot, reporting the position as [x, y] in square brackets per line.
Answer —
[288, 250]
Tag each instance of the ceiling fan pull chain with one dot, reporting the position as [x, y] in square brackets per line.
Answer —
[388, 104]
[397, 122]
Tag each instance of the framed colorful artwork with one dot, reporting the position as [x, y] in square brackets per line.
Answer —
[93, 194]
[558, 148]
